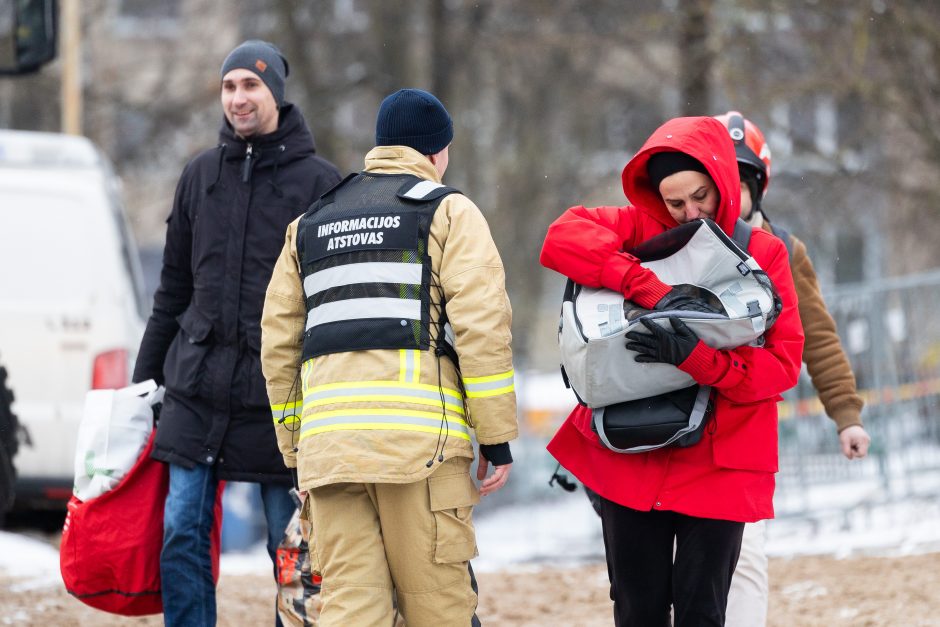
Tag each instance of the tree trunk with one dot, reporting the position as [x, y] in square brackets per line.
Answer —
[695, 58]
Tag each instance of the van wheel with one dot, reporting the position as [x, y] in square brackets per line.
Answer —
[9, 429]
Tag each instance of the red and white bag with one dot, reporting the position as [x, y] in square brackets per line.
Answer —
[110, 551]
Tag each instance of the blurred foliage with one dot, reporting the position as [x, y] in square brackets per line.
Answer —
[549, 99]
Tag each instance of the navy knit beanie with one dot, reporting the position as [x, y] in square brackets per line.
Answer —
[414, 118]
[265, 60]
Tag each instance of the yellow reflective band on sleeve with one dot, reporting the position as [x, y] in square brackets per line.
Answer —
[493, 392]
[286, 412]
[493, 385]
[489, 379]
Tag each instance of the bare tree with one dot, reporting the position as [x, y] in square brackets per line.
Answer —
[695, 58]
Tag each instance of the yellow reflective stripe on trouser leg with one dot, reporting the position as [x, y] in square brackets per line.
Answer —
[492, 385]
[384, 419]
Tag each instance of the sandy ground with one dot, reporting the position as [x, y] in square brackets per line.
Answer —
[805, 592]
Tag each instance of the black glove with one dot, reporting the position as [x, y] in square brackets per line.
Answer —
[663, 346]
[687, 298]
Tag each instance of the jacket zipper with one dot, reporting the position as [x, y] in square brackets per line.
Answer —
[246, 166]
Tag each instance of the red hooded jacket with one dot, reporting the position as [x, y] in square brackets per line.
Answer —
[729, 474]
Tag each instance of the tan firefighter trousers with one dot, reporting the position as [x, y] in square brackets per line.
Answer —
[413, 540]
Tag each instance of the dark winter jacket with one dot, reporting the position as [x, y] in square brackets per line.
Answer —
[232, 207]
[729, 474]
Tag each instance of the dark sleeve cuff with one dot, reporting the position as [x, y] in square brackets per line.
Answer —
[497, 454]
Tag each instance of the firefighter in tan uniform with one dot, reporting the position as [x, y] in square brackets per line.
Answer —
[386, 346]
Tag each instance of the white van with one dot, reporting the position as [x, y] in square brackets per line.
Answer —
[71, 302]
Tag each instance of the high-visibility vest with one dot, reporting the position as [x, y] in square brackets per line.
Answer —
[367, 278]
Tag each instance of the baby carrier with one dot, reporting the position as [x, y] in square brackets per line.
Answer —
[660, 404]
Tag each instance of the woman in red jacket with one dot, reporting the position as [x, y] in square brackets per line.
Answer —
[697, 497]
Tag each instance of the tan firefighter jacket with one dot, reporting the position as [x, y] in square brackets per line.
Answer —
[376, 416]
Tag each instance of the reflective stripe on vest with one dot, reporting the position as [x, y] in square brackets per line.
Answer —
[349, 274]
[360, 308]
[494, 385]
[422, 189]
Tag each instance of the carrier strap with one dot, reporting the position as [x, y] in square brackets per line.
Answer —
[783, 234]
[742, 234]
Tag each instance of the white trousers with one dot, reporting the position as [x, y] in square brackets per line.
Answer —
[747, 601]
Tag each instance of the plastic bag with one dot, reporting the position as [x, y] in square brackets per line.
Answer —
[114, 429]
[298, 586]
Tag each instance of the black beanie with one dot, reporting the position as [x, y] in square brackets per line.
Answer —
[751, 178]
[663, 164]
[265, 60]
[414, 118]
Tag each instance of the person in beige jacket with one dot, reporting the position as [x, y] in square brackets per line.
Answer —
[386, 348]
[825, 359]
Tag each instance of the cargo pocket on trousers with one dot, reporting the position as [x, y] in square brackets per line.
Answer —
[185, 361]
[452, 501]
[310, 538]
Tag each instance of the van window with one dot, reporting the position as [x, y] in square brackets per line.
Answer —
[131, 261]
[52, 248]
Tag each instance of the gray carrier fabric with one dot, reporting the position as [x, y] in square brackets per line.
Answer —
[366, 272]
[594, 321]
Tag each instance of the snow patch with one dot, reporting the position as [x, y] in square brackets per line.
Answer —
[564, 530]
[19, 616]
[30, 563]
[845, 519]
[254, 561]
[804, 590]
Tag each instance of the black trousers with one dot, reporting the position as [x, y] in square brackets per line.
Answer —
[645, 579]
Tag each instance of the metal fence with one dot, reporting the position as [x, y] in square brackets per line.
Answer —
[891, 332]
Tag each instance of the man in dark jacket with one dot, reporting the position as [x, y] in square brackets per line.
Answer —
[232, 207]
